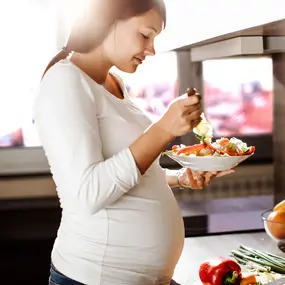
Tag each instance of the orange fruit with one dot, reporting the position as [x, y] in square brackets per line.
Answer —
[276, 224]
[280, 206]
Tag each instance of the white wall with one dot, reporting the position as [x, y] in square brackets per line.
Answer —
[190, 21]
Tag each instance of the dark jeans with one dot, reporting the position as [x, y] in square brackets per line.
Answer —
[57, 278]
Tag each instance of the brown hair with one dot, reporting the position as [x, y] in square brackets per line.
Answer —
[90, 28]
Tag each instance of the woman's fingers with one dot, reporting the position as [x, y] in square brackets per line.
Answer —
[195, 123]
[190, 101]
[192, 181]
[226, 172]
[209, 176]
[188, 110]
[199, 179]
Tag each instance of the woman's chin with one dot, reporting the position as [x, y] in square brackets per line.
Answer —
[133, 69]
[130, 68]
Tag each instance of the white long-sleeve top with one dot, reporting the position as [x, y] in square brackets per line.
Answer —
[117, 226]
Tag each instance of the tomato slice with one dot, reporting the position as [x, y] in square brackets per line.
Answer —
[213, 148]
[175, 147]
[193, 149]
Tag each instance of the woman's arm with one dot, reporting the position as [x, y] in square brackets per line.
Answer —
[67, 124]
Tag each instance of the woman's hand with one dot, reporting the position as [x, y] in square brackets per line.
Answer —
[198, 179]
[182, 115]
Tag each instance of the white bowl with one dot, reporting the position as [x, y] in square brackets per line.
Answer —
[208, 163]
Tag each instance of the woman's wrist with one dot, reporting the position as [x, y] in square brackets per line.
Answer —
[173, 177]
[159, 128]
[179, 174]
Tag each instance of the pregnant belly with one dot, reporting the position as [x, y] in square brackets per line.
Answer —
[145, 235]
[138, 239]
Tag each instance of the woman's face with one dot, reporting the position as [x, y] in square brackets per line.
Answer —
[131, 40]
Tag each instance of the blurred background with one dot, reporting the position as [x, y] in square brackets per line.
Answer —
[239, 93]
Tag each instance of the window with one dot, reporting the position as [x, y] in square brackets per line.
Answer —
[30, 37]
[238, 95]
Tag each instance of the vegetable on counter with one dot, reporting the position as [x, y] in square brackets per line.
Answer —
[268, 261]
[252, 267]
[249, 279]
[220, 271]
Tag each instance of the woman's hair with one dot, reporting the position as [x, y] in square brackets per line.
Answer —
[93, 25]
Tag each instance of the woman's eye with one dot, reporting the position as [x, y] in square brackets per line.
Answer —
[145, 37]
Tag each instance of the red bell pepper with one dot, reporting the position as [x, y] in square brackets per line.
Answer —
[220, 271]
[208, 143]
[192, 149]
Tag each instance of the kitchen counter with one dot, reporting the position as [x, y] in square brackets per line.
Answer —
[198, 249]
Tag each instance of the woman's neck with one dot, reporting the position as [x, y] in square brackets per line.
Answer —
[93, 64]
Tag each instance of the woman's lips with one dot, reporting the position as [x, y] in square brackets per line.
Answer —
[138, 60]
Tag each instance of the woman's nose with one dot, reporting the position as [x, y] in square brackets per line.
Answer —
[150, 51]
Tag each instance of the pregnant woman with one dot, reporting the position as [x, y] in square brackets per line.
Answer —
[120, 220]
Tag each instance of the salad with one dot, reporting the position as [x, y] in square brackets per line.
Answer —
[207, 147]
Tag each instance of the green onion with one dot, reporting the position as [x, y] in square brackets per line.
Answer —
[248, 254]
[239, 260]
[262, 255]
[281, 259]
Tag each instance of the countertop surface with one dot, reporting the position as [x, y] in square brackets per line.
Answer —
[198, 249]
